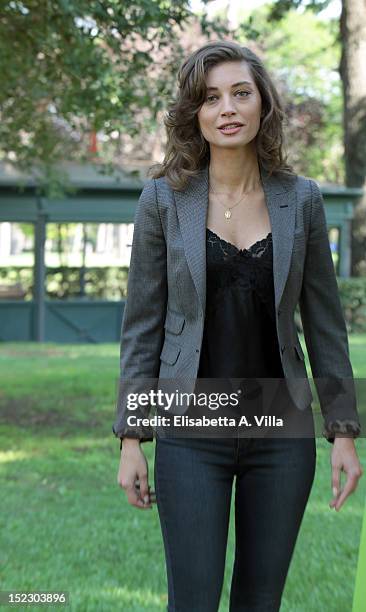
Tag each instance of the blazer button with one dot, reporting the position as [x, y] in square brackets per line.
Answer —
[279, 311]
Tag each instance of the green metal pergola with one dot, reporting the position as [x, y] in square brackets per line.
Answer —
[101, 199]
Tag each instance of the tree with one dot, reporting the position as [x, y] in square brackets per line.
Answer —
[73, 67]
[352, 68]
[353, 73]
[311, 90]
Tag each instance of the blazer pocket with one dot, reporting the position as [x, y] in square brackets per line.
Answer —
[299, 352]
[174, 322]
[170, 353]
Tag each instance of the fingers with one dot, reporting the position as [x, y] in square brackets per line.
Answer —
[144, 489]
[336, 484]
[138, 492]
[134, 496]
[340, 495]
[133, 477]
[349, 487]
[152, 493]
[143, 500]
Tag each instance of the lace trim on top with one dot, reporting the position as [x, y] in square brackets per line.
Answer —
[255, 250]
[247, 269]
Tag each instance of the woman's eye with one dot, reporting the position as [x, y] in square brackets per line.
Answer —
[243, 94]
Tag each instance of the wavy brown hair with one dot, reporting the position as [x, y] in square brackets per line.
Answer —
[187, 151]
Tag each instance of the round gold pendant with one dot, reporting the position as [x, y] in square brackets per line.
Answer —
[227, 214]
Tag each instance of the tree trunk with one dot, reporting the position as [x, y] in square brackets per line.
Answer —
[353, 74]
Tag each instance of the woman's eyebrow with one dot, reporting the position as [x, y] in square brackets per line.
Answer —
[233, 85]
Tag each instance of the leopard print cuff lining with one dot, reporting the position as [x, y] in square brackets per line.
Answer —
[351, 428]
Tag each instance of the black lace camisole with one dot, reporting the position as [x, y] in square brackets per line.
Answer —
[239, 338]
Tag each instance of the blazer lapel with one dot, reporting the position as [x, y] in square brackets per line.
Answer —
[192, 207]
[280, 195]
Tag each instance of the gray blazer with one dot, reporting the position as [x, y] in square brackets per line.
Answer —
[164, 314]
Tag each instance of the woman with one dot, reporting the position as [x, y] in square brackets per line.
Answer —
[227, 240]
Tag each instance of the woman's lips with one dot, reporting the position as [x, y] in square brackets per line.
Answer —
[232, 130]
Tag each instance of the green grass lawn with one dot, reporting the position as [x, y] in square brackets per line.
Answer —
[66, 525]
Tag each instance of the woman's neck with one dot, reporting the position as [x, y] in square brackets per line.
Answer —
[233, 171]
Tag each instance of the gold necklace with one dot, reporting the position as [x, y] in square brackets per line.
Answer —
[228, 209]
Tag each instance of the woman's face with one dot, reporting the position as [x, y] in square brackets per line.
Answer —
[232, 97]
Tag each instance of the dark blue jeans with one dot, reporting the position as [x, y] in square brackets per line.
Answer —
[193, 483]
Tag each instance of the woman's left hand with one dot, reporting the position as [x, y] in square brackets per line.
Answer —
[344, 458]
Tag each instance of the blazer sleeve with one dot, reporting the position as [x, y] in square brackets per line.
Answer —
[325, 329]
[142, 331]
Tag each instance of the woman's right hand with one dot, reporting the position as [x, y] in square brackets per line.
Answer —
[133, 474]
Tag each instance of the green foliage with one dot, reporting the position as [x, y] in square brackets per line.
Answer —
[102, 283]
[71, 67]
[280, 8]
[352, 292]
[302, 53]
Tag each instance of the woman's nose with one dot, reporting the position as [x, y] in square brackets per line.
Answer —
[227, 104]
